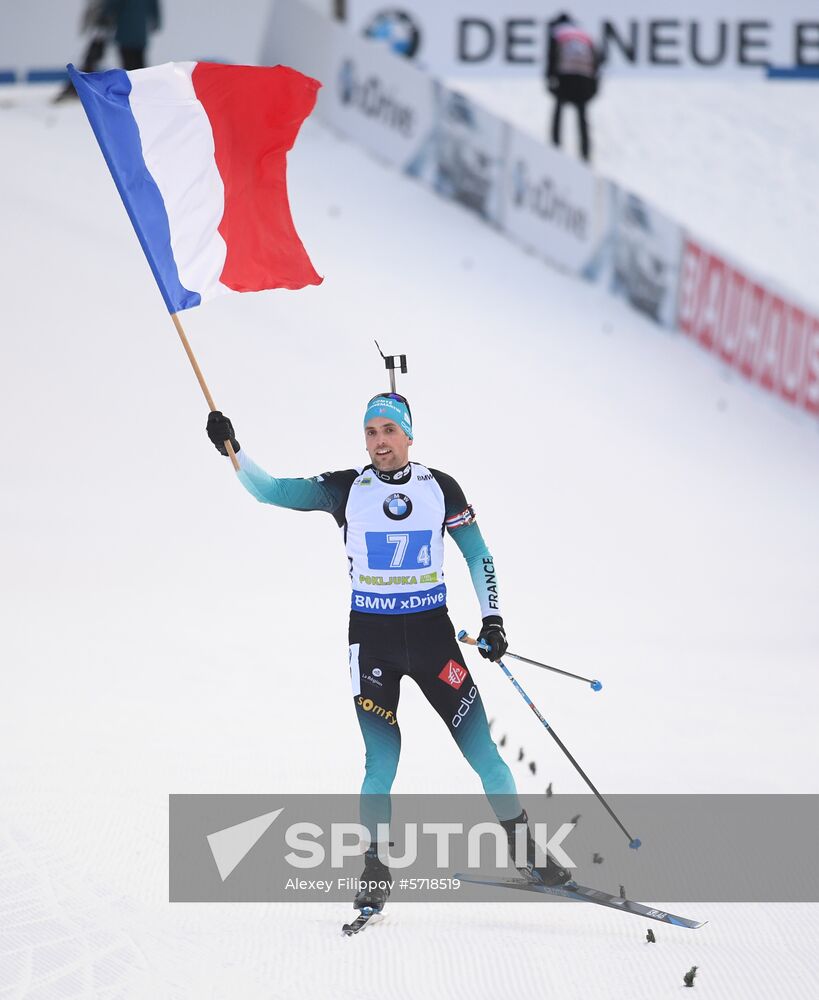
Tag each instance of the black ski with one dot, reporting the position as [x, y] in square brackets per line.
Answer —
[583, 893]
[360, 922]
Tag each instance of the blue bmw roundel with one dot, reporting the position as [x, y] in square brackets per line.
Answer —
[397, 506]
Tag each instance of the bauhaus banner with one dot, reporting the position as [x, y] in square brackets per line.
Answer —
[762, 334]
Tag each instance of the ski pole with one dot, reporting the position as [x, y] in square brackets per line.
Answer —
[595, 685]
[634, 842]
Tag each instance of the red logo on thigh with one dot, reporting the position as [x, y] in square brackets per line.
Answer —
[453, 674]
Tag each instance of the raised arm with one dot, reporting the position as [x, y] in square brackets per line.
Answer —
[326, 492]
[295, 494]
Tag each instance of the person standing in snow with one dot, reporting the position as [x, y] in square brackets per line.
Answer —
[393, 514]
[128, 22]
[572, 75]
[96, 23]
[133, 21]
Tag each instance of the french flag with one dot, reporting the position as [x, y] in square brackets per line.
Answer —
[198, 154]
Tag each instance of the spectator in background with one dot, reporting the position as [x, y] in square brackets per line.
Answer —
[95, 22]
[133, 20]
[572, 72]
[127, 22]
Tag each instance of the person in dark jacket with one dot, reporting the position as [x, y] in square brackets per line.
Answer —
[572, 74]
[125, 21]
[133, 20]
[97, 25]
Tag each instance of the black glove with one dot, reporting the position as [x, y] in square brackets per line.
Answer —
[220, 429]
[493, 633]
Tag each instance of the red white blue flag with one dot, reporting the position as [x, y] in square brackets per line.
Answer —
[198, 154]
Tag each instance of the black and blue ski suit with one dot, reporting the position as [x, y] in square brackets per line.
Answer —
[393, 526]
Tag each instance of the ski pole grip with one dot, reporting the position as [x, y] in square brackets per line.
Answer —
[464, 636]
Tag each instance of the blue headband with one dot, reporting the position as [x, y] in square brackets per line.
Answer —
[391, 409]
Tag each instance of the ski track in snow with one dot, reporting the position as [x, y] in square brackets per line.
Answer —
[64, 936]
[144, 593]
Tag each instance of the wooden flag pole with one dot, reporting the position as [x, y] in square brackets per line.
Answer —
[201, 379]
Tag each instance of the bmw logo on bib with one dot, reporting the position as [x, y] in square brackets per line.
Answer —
[397, 506]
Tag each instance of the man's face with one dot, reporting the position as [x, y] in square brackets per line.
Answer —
[387, 445]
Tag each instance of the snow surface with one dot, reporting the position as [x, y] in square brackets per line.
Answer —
[653, 521]
[736, 161]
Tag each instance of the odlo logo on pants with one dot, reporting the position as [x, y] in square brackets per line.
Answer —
[465, 705]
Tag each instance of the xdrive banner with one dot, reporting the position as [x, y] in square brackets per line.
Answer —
[552, 204]
[695, 848]
[384, 103]
[472, 37]
[394, 109]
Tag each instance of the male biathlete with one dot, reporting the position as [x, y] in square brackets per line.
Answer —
[393, 514]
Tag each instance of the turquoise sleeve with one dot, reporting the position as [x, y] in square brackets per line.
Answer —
[294, 494]
[481, 567]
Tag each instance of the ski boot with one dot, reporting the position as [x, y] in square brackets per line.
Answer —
[549, 874]
[376, 877]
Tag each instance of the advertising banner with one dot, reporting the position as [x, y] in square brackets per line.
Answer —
[551, 203]
[755, 330]
[463, 156]
[393, 108]
[639, 257]
[386, 104]
[477, 37]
